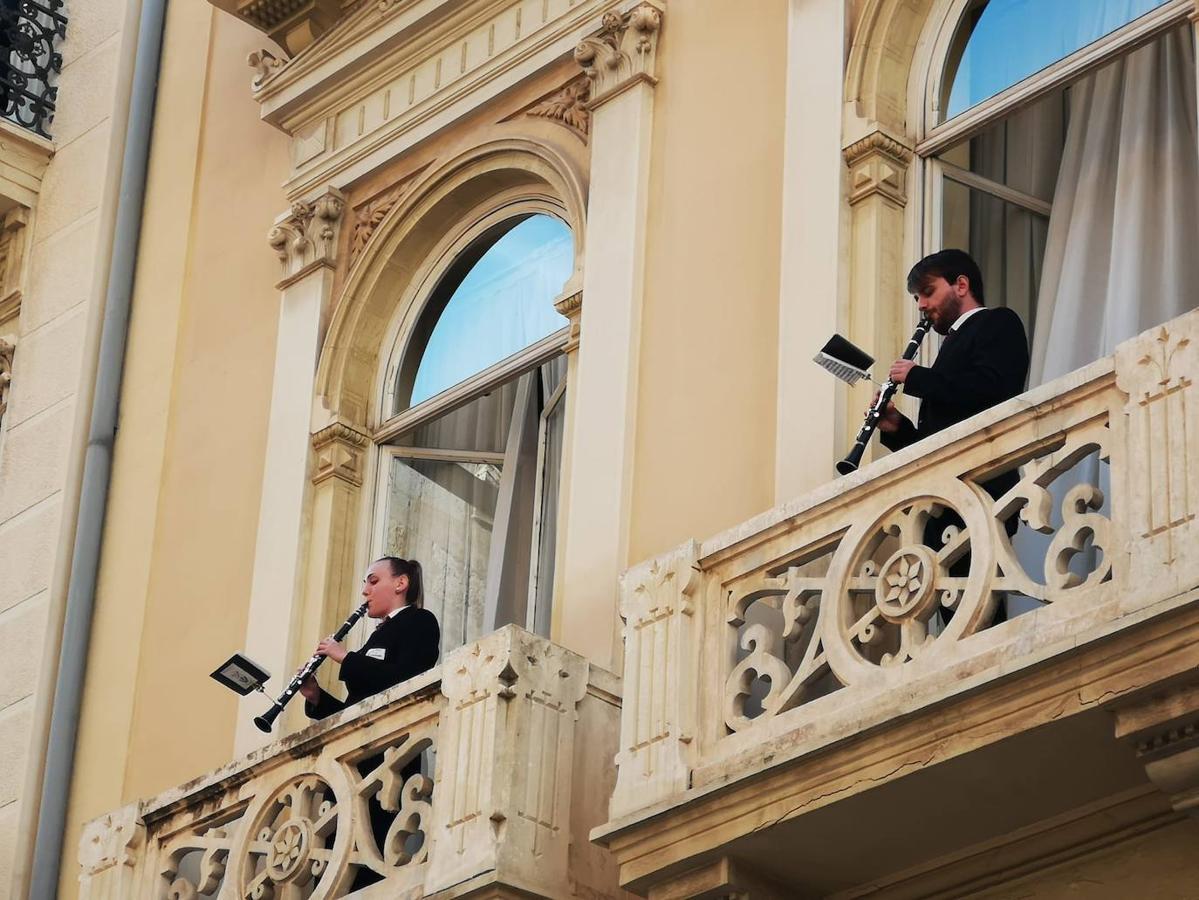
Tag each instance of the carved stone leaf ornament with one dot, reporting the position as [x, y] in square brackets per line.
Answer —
[568, 106]
[622, 52]
[265, 64]
[369, 216]
[307, 234]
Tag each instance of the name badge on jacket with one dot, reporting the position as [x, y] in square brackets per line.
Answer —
[378, 653]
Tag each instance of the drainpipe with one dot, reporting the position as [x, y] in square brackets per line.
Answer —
[97, 464]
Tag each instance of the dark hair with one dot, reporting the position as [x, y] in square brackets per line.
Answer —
[411, 568]
[950, 265]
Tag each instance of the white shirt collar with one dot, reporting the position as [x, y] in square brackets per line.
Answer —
[394, 612]
[964, 316]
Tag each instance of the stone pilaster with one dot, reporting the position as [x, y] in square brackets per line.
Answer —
[505, 756]
[305, 239]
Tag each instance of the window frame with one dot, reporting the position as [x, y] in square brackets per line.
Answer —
[936, 137]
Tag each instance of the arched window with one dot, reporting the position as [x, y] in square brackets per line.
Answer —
[1060, 146]
[468, 479]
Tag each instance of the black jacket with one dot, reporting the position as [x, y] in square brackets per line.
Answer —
[982, 364]
[409, 643]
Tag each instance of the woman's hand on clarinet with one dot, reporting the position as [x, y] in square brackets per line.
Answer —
[310, 690]
[330, 648]
[889, 421]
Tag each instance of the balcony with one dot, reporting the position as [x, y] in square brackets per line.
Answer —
[29, 61]
[821, 701]
[516, 736]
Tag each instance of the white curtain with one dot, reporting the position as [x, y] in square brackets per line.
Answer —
[1120, 255]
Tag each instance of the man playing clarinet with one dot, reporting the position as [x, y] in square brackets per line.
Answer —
[983, 358]
[983, 361]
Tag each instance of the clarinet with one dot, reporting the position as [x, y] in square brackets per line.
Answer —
[267, 719]
[854, 458]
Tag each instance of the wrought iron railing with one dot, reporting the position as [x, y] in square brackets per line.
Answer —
[30, 31]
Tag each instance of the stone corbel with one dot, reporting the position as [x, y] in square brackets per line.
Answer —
[293, 24]
[305, 237]
[339, 454]
[1164, 733]
[878, 164]
[622, 53]
[570, 305]
[110, 848]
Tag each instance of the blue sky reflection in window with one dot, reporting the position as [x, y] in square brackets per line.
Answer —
[504, 304]
[1012, 39]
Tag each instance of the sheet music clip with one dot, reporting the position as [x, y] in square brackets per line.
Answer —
[845, 360]
[241, 675]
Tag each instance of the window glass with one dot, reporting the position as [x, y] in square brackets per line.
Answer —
[497, 300]
[1002, 42]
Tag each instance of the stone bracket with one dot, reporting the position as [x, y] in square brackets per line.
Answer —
[878, 164]
[1163, 731]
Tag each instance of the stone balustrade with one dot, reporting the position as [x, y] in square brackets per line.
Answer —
[880, 594]
[476, 776]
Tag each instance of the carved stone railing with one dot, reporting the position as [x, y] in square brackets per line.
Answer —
[30, 31]
[878, 595]
[473, 775]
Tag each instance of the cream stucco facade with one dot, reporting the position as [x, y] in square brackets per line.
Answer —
[706, 709]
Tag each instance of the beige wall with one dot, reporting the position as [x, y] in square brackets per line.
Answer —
[65, 272]
[705, 422]
[179, 539]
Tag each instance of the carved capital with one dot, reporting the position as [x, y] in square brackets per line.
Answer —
[570, 305]
[622, 53]
[1163, 731]
[306, 235]
[339, 453]
[109, 847]
[7, 350]
[878, 164]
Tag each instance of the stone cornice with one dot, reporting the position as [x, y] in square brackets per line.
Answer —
[622, 53]
[877, 142]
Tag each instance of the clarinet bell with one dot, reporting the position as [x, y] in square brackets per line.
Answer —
[852, 460]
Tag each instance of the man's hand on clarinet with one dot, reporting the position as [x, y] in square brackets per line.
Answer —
[889, 421]
[330, 648]
[900, 369]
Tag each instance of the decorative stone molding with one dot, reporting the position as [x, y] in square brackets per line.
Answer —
[7, 350]
[661, 671]
[570, 305]
[511, 715]
[306, 235]
[339, 454]
[109, 849]
[368, 216]
[622, 53]
[1164, 733]
[12, 249]
[878, 164]
[265, 64]
[568, 106]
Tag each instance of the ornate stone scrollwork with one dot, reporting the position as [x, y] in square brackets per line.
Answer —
[916, 576]
[292, 841]
[622, 53]
[307, 234]
[265, 64]
[7, 351]
[369, 216]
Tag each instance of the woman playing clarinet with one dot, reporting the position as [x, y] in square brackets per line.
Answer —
[403, 644]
